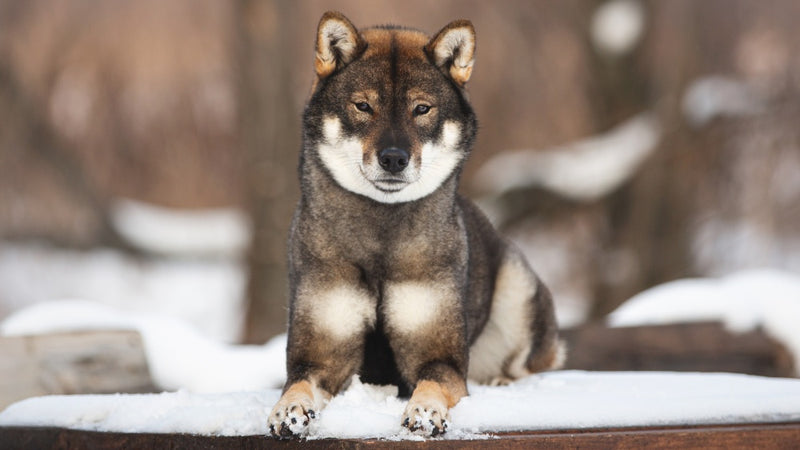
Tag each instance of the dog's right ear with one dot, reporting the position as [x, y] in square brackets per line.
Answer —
[338, 43]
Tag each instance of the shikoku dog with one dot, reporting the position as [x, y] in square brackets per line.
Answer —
[393, 275]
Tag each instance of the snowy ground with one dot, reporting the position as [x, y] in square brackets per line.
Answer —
[769, 299]
[187, 309]
[229, 390]
[178, 355]
[556, 400]
[205, 293]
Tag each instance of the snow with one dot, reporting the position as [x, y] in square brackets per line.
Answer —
[229, 390]
[179, 357]
[742, 301]
[554, 400]
[167, 231]
[710, 97]
[726, 246]
[208, 294]
[585, 170]
[617, 26]
[173, 412]
[556, 253]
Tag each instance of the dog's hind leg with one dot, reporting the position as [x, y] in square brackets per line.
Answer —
[520, 336]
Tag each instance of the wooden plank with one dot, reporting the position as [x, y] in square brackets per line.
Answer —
[764, 435]
[91, 362]
[695, 347]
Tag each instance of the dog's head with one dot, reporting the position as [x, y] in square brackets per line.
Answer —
[388, 116]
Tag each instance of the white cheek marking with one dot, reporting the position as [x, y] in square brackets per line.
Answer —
[344, 158]
[343, 311]
[451, 133]
[410, 306]
[332, 128]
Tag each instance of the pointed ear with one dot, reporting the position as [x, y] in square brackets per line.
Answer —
[453, 50]
[338, 43]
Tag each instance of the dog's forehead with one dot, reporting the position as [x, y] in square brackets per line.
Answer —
[405, 43]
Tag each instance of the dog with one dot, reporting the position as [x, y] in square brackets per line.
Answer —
[392, 274]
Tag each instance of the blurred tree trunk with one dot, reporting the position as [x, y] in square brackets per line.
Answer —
[649, 217]
[27, 126]
[269, 131]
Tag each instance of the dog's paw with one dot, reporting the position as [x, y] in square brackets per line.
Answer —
[291, 420]
[425, 420]
[293, 413]
[427, 410]
[500, 381]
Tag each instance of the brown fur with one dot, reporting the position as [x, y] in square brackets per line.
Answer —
[397, 285]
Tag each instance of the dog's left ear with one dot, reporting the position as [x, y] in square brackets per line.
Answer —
[453, 50]
[338, 43]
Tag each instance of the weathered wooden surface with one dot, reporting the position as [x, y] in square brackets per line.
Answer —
[696, 347]
[91, 362]
[777, 435]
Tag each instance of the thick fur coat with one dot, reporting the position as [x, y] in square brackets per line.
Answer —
[393, 275]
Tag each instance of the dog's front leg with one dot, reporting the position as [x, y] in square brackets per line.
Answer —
[427, 334]
[327, 324]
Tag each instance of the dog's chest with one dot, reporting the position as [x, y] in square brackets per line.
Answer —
[391, 253]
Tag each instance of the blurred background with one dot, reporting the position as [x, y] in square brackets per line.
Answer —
[148, 149]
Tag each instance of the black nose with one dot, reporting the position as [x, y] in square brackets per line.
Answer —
[393, 159]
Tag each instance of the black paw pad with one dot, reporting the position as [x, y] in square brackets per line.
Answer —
[286, 432]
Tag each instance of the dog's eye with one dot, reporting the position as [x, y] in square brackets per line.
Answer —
[363, 107]
[421, 109]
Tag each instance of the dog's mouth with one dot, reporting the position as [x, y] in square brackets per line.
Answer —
[389, 184]
[386, 182]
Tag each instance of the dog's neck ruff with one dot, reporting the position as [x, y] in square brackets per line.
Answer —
[343, 157]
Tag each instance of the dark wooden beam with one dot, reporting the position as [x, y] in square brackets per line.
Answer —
[687, 347]
[757, 435]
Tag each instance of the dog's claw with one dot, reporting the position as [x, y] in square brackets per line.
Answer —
[425, 421]
[286, 432]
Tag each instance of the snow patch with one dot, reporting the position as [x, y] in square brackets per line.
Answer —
[617, 26]
[743, 301]
[721, 247]
[710, 97]
[208, 294]
[166, 231]
[585, 170]
[179, 357]
[554, 400]
[176, 412]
